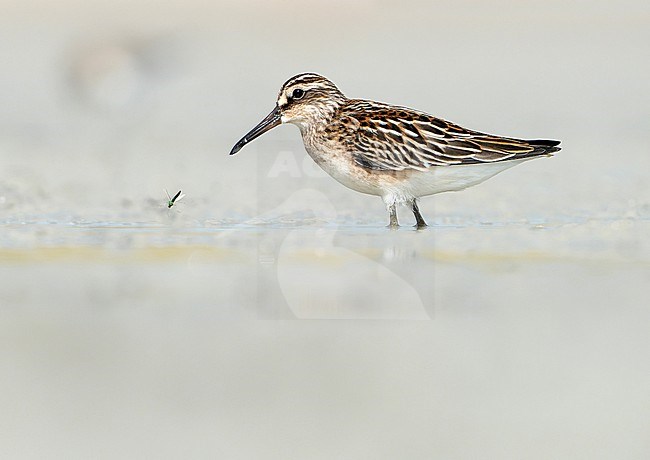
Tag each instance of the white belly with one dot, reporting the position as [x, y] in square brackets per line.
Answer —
[452, 178]
[403, 186]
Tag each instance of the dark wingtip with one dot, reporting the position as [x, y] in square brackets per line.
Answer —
[545, 146]
[544, 142]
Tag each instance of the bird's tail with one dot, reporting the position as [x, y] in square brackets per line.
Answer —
[544, 146]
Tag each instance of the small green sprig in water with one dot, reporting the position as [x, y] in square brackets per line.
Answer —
[172, 201]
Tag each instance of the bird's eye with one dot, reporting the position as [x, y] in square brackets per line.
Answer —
[298, 93]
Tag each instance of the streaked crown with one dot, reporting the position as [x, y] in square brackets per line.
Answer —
[308, 98]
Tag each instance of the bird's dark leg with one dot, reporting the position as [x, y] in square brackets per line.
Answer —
[420, 223]
[393, 216]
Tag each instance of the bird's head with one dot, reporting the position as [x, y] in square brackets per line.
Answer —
[304, 100]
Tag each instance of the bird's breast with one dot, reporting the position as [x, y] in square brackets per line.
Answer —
[338, 162]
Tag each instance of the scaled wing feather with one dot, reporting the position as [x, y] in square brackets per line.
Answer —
[390, 138]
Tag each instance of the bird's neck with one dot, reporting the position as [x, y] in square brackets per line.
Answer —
[320, 116]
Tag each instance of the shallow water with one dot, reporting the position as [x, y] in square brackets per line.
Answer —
[309, 267]
[145, 334]
[140, 335]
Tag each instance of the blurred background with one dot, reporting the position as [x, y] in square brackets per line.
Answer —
[270, 314]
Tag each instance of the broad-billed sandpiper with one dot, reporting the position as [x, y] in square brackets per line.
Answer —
[397, 153]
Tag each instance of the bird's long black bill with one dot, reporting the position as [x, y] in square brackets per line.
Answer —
[272, 120]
